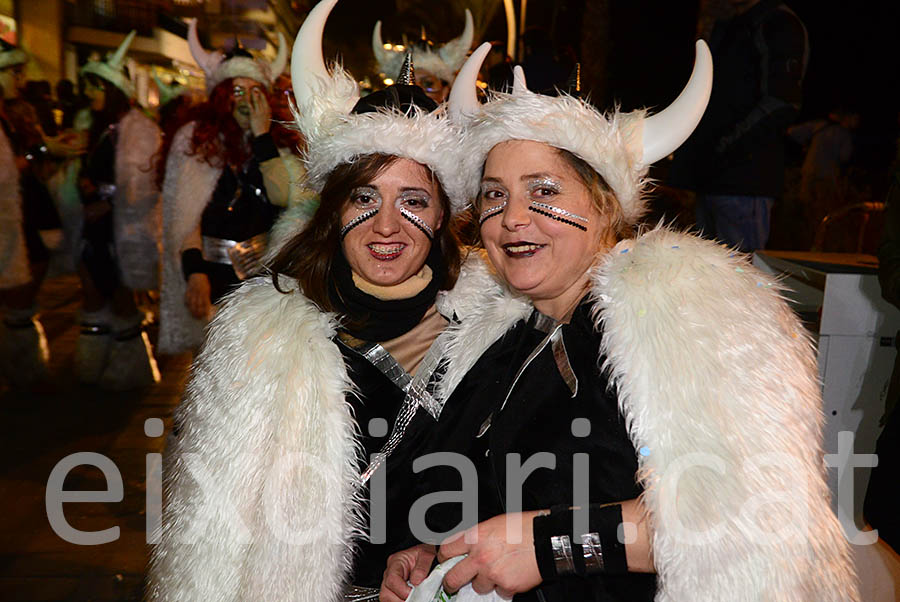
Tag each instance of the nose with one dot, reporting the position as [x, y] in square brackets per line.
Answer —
[516, 215]
[387, 221]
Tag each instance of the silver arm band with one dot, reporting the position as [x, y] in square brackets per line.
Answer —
[562, 554]
[592, 552]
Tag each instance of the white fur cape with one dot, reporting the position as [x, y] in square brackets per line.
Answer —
[188, 187]
[716, 379]
[14, 268]
[137, 216]
[711, 368]
[265, 414]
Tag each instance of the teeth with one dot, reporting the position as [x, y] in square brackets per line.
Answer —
[386, 249]
[523, 248]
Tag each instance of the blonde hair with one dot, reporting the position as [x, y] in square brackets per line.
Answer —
[604, 198]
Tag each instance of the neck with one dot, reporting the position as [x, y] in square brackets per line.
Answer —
[407, 289]
[560, 307]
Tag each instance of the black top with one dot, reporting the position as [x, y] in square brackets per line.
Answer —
[378, 397]
[538, 418]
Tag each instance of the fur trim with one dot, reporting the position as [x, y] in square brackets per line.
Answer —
[187, 189]
[138, 214]
[707, 358]
[266, 419]
[241, 66]
[335, 136]
[114, 75]
[611, 144]
[14, 267]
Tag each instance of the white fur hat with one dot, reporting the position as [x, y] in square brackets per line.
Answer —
[217, 67]
[113, 68]
[335, 135]
[619, 146]
[11, 55]
[444, 62]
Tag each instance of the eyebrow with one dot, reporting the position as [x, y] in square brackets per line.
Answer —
[414, 189]
[531, 176]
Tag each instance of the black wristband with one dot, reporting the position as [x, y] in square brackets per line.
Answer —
[542, 528]
[264, 147]
[605, 522]
[192, 262]
[595, 552]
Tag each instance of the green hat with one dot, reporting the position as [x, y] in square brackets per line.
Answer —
[10, 55]
[113, 68]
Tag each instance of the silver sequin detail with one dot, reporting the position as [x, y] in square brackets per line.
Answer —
[417, 221]
[491, 212]
[560, 212]
[562, 554]
[357, 221]
[592, 552]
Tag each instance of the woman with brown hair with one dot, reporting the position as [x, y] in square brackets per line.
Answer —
[313, 392]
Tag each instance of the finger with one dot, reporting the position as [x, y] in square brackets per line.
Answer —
[462, 573]
[455, 545]
[420, 570]
[482, 585]
[504, 593]
[394, 589]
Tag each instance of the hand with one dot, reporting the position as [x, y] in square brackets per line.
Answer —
[494, 562]
[260, 112]
[197, 296]
[410, 565]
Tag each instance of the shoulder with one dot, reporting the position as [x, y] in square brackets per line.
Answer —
[477, 286]
[256, 314]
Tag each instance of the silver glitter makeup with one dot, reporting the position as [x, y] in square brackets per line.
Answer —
[491, 212]
[560, 212]
[417, 221]
[357, 221]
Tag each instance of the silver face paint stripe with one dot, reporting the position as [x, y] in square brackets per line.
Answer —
[491, 212]
[560, 215]
[357, 221]
[418, 222]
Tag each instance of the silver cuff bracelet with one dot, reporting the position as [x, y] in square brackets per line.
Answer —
[592, 552]
[562, 554]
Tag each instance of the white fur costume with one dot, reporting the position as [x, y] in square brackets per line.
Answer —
[710, 366]
[137, 216]
[14, 269]
[188, 187]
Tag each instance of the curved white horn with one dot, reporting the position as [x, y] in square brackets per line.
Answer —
[454, 52]
[463, 96]
[519, 84]
[668, 129]
[207, 61]
[115, 61]
[277, 66]
[307, 64]
[382, 56]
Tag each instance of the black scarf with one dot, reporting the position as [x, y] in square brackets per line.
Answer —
[375, 320]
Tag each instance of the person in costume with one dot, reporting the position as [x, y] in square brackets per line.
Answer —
[29, 225]
[121, 232]
[672, 386]
[435, 67]
[313, 388]
[228, 173]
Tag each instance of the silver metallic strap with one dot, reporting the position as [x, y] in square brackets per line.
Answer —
[216, 250]
[562, 554]
[561, 357]
[417, 394]
[356, 593]
[592, 552]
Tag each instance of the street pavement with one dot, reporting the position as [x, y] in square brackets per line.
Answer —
[63, 417]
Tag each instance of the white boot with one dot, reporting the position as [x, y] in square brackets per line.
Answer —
[92, 348]
[131, 363]
[24, 355]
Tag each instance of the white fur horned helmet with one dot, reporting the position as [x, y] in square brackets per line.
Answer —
[443, 62]
[337, 131]
[11, 55]
[113, 68]
[217, 67]
[619, 146]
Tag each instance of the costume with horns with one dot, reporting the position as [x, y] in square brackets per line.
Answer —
[196, 213]
[712, 374]
[443, 62]
[272, 407]
[120, 247]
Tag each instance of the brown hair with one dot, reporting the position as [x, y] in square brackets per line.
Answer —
[603, 196]
[308, 256]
